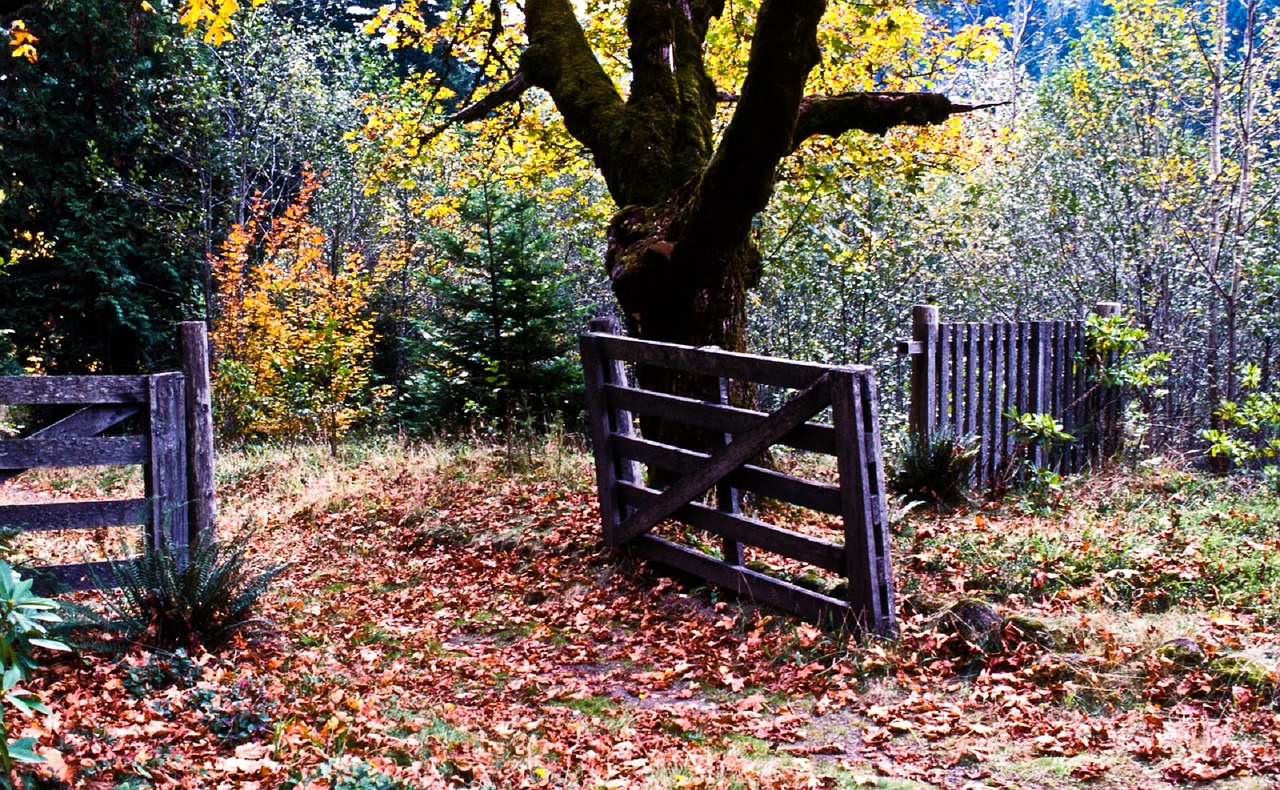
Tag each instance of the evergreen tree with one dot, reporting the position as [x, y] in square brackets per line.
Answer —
[496, 347]
[97, 272]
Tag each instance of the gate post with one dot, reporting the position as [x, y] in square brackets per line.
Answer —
[605, 423]
[923, 414]
[194, 337]
[167, 462]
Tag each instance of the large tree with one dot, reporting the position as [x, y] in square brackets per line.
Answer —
[687, 185]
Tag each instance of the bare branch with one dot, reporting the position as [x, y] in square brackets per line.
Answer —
[874, 113]
[511, 91]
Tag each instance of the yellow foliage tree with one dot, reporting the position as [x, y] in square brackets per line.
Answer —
[293, 336]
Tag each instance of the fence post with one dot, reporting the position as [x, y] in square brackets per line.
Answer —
[923, 415]
[1109, 400]
[194, 342]
[605, 422]
[167, 462]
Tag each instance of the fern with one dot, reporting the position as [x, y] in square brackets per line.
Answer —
[200, 596]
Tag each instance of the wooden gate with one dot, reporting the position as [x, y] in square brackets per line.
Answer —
[972, 378]
[176, 453]
[630, 508]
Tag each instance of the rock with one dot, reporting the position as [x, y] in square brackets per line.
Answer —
[1182, 651]
[1241, 670]
[973, 620]
[1036, 630]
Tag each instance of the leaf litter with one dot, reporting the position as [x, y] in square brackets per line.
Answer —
[447, 627]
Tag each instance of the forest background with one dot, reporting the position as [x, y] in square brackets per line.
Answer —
[287, 178]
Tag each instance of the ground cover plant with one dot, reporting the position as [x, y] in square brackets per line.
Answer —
[451, 619]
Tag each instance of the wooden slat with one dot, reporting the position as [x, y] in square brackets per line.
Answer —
[72, 451]
[862, 497]
[765, 482]
[746, 582]
[1076, 403]
[946, 333]
[55, 579]
[982, 470]
[75, 515]
[728, 497]
[971, 426]
[748, 445]
[1055, 389]
[712, 362]
[87, 422]
[877, 504]
[167, 466]
[73, 389]
[996, 404]
[820, 553]
[812, 436]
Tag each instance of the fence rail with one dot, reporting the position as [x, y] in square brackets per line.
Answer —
[175, 452]
[973, 378]
[630, 507]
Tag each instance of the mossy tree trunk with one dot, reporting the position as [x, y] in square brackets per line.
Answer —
[680, 253]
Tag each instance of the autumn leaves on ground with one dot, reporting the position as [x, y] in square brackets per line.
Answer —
[449, 620]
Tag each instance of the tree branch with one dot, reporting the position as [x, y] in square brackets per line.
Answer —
[560, 61]
[875, 113]
[510, 91]
[739, 179]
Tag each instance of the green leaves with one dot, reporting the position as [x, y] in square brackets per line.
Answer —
[24, 618]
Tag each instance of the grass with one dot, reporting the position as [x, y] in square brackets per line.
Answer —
[1153, 544]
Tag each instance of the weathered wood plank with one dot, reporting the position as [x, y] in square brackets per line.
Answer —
[712, 362]
[746, 582]
[946, 390]
[819, 553]
[72, 451]
[89, 421]
[765, 482]
[812, 436]
[971, 426]
[924, 330]
[55, 579]
[194, 344]
[877, 504]
[982, 466]
[1059, 383]
[75, 515]
[748, 445]
[728, 497]
[73, 389]
[598, 418]
[167, 466]
[860, 490]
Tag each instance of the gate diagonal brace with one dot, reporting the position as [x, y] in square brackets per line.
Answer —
[724, 461]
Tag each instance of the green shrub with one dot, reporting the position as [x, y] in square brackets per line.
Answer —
[936, 468]
[26, 620]
[201, 598]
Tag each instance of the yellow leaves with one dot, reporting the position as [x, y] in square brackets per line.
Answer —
[294, 332]
[22, 41]
[213, 15]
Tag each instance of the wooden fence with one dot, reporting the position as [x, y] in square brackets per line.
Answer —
[176, 452]
[971, 378]
[630, 508]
